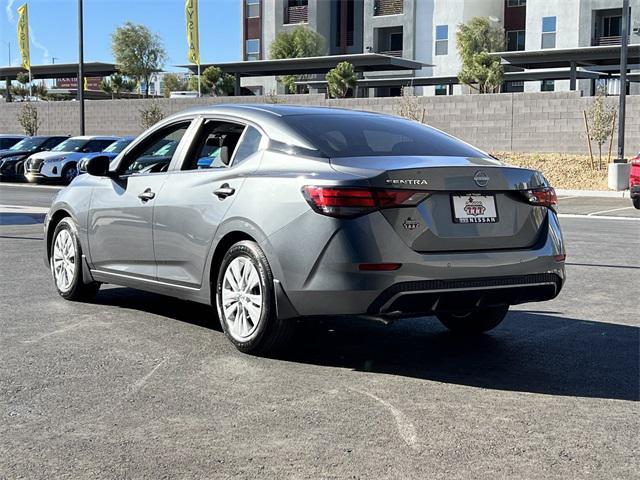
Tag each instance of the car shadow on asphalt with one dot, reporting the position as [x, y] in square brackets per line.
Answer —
[531, 351]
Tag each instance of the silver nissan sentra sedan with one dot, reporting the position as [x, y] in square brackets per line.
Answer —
[275, 213]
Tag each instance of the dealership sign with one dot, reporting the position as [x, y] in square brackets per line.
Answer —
[91, 83]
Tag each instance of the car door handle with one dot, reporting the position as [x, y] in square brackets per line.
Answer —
[146, 195]
[224, 191]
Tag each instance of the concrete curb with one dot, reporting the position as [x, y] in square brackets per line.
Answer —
[592, 193]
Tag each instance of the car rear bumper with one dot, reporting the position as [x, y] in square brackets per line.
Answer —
[425, 283]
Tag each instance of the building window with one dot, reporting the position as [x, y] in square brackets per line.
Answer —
[387, 7]
[296, 11]
[547, 86]
[548, 32]
[513, 87]
[441, 89]
[253, 8]
[612, 26]
[515, 40]
[516, 3]
[442, 40]
[253, 49]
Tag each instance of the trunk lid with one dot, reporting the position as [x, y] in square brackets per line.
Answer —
[482, 189]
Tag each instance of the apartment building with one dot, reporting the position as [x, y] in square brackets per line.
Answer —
[425, 30]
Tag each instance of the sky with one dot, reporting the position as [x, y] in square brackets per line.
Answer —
[54, 32]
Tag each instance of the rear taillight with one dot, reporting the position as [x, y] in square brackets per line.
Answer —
[541, 197]
[636, 161]
[349, 202]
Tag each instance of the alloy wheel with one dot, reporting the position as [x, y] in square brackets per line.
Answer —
[63, 261]
[241, 298]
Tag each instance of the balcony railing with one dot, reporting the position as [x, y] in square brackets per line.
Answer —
[392, 53]
[609, 41]
[387, 7]
[296, 14]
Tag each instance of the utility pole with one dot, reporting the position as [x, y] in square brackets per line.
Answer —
[53, 60]
[81, 66]
[623, 80]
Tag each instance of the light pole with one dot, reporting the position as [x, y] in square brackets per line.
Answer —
[7, 81]
[623, 80]
[80, 67]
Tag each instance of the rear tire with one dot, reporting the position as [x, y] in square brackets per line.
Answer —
[66, 264]
[245, 301]
[475, 321]
[636, 202]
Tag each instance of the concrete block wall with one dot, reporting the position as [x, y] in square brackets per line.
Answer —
[524, 122]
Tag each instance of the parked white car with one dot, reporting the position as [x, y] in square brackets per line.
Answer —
[61, 163]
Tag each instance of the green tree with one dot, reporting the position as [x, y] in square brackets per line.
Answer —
[296, 43]
[340, 80]
[475, 40]
[172, 83]
[138, 52]
[28, 119]
[601, 117]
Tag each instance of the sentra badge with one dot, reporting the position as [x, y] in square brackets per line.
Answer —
[398, 181]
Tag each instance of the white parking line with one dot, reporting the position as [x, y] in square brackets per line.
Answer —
[599, 217]
[609, 211]
[31, 185]
[22, 209]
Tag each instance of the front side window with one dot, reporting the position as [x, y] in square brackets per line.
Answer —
[155, 153]
[253, 49]
[215, 145]
[548, 32]
[442, 40]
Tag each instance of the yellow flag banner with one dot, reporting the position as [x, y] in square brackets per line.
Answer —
[23, 36]
[193, 38]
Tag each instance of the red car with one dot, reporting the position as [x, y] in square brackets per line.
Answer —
[634, 181]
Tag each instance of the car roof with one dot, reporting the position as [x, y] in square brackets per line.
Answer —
[95, 137]
[11, 135]
[281, 110]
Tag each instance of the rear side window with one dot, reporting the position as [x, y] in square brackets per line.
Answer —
[249, 144]
[371, 135]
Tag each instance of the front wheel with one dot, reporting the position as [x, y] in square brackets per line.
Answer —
[245, 301]
[66, 264]
[69, 173]
[475, 321]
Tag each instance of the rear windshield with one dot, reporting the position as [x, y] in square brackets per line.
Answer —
[365, 136]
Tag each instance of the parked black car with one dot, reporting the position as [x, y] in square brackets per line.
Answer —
[12, 160]
[8, 140]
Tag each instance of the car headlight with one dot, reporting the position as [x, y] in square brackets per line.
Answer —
[55, 159]
[12, 159]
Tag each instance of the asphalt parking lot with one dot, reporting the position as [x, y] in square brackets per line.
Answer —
[136, 385]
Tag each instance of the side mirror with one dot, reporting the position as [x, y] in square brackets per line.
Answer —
[98, 166]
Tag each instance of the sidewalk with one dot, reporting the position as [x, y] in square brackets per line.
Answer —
[592, 193]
